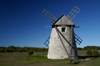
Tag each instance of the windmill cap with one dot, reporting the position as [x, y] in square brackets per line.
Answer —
[63, 20]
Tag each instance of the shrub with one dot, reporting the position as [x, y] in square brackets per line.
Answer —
[6, 50]
[30, 52]
[79, 48]
[2, 49]
[20, 50]
[88, 52]
[95, 53]
[10, 50]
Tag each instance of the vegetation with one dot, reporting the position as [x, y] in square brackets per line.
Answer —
[17, 56]
[91, 47]
[88, 52]
[40, 59]
[22, 49]
[95, 53]
[92, 52]
[30, 52]
[79, 48]
[38, 49]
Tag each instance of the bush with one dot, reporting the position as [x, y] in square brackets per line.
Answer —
[6, 50]
[2, 49]
[95, 53]
[19, 50]
[88, 52]
[11, 50]
[30, 52]
[79, 48]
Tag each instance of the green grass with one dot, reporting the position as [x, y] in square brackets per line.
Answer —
[40, 59]
[22, 58]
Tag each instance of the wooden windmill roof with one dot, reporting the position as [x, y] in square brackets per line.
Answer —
[63, 20]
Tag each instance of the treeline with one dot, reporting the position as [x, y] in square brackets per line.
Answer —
[22, 49]
[89, 47]
[37, 49]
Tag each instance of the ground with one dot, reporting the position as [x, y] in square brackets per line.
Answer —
[40, 59]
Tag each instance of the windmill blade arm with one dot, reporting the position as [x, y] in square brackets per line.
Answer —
[48, 16]
[47, 42]
[73, 13]
[78, 39]
[77, 26]
[48, 26]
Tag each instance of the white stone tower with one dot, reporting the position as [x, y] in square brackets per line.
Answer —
[60, 40]
[63, 39]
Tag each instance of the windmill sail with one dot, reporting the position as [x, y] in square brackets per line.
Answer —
[73, 13]
[48, 16]
[47, 42]
[77, 39]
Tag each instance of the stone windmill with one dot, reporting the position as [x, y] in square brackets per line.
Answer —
[63, 40]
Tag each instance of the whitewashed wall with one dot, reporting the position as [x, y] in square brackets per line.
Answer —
[56, 49]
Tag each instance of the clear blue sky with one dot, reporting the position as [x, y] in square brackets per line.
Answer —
[21, 23]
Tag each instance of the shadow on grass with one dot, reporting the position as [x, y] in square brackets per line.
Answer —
[84, 58]
[76, 62]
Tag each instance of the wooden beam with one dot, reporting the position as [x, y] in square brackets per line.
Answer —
[77, 26]
[48, 26]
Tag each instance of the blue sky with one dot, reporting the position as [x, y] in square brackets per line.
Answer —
[21, 23]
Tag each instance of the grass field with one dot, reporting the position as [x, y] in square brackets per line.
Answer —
[40, 59]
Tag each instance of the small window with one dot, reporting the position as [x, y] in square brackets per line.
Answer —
[63, 29]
